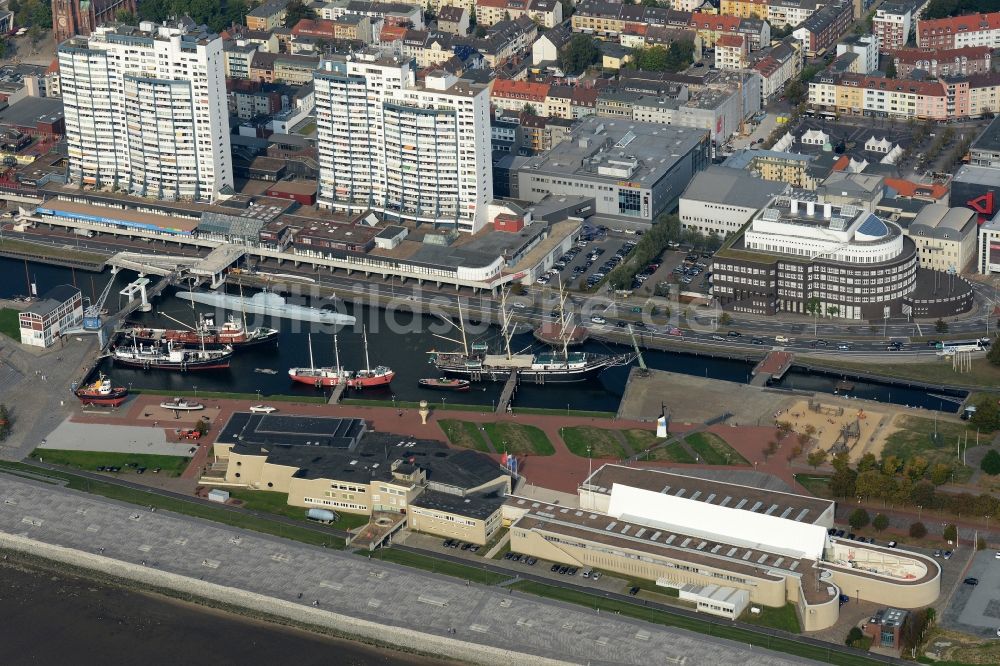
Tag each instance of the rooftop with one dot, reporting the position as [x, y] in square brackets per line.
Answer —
[30, 110]
[53, 299]
[732, 186]
[989, 139]
[259, 432]
[472, 506]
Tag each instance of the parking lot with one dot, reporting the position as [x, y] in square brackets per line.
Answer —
[583, 267]
[975, 605]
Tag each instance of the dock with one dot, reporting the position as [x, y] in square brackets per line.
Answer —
[337, 393]
[772, 366]
[508, 393]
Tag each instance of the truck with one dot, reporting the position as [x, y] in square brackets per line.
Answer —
[324, 516]
[84, 232]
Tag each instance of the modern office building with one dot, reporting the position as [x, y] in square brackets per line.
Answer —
[945, 237]
[146, 110]
[415, 152]
[989, 247]
[798, 248]
[720, 200]
[634, 171]
[721, 546]
[59, 311]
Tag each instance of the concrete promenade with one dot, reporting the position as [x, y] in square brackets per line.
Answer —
[346, 592]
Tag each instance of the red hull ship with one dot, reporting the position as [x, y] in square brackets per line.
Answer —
[333, 376]
[231, 333]
[102, 392]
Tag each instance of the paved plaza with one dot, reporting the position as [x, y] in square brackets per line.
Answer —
[975, 609]
[73, 436]
[350, 584]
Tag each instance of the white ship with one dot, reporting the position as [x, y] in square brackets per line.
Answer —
[267, 303]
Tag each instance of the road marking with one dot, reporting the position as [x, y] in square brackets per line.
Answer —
[642, 635]
[524, 622]
[145, 548]
[481, 628]
[180, 541]
[93, 528]
[211, 564]
[281, 557]
[374, 603]
[35, 522]
[603, 640]
[332, 585]
[433, 601]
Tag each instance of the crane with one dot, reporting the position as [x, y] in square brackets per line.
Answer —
[92, 315]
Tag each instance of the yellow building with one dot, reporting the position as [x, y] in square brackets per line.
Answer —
[338, 465]
[744, 8]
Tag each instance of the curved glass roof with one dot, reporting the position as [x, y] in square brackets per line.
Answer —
[873, 226]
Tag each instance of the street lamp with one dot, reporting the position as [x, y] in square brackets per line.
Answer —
[920, 509]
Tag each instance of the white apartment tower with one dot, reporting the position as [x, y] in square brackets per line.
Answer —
[415, 153]
[146, 110]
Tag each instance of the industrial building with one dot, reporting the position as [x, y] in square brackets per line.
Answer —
[634, 171]
[720, 200]
[340, 464]
[720, 545]
[58, 312]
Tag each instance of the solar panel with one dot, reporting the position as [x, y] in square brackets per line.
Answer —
[726, 501]
[787, 511]
[795, 565]
[772, 509]
[638, 535]
[747, 555]
[762, 558]
[740, 505]
[716, 548]
[710, 498]
[680, 493]
[696, 495]
[701, 546]
[802, 514]
[626, 529]
[756, 506]
[610, 527]
[656, 535]
[779, 561]
[731, 552]
[665, 489]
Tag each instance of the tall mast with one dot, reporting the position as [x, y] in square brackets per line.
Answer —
[562, 321]
[243, 308]
[312, 365]
[505, 321]
[364, 335]
[336, 353]
[461, 326]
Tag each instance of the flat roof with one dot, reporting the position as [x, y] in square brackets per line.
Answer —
[248, 430]
[736, 187]
[989, 139]
[471, 506]
[118, 215]
[794, 507]
[28, 111]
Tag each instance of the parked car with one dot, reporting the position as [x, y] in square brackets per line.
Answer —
[971, 581]
[598, 320]
[634, 591]
[781, 339]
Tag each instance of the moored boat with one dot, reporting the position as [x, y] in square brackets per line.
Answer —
[182, 404]
[445, 384]
[102, 392]
[268, 303]
[333, 376]
[232, 332]
[169, 357]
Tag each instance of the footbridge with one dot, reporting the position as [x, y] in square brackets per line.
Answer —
[151, 264]
[210, 268]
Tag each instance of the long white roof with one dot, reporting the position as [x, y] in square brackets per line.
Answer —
[701, 519]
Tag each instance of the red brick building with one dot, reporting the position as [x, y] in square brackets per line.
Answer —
[80, 17]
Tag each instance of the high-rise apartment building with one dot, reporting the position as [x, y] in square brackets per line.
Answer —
[146, 110]
[414, 152]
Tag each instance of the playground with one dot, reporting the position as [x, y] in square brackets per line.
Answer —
[839, 426]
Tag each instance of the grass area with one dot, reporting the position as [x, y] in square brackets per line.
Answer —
[196, 509]
[817, 484]
[45, 250]
[784, 618]
[915, 437]
[9, 325]
[519, 439]
[641, 440]
[713, 450]
[746, 636]
[406, 404]
[91, 460]
[564, 412]
[219, 395]
[277, 503]
[587, 441]
[464, 434]
[417, 561]
[938, 371]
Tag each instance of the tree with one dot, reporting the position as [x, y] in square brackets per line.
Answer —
[529, 109]
[987, 414]
[201, 427]
[854, 637]
[803, 440]
[814, 307]
[993, 355]
[950, 533]
[650, 3]
[872, 483]
[880, 522]
[816, 458]
[295, 11]
[918, 530]
[940, 474]
[651, 58]
[4, 422]
[991, 462]
[125, 16]
[890, 69]
[842, 483]
[867, 463]
[832, 310]
[580, 53]
[859, 518]
[941, 326]
[725, 319]
[795, 92]
[923, 494]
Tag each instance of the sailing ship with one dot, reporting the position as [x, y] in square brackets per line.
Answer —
[334, 376]
[102, 392]
[233, 332]
[476, 363]
[171, 357]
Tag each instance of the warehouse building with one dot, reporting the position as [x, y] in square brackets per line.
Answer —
[722, 546]
[59, 311]
[721, 200]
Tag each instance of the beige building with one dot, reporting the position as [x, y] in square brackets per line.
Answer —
[722, 546]
[339, 465]
[945, 237]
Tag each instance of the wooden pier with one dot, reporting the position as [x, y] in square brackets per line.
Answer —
[772, 366]
[508, 393]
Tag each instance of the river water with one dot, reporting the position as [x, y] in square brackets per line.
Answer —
[401, 339]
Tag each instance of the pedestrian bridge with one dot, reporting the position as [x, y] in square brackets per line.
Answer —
[212, 267]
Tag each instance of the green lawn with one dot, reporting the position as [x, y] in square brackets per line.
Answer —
[564, 412]
[938, 371]
[406, 558]
[740, 635]
[277, 503]
[403, 404]
[784, 618]
[916, 438]
[713, 450]
[9, 324]
[194, 508]
[641, 440]
[237, 396]
[594, 442]
[91, 460]
[464, 434]
[817, 484]
[519, 439]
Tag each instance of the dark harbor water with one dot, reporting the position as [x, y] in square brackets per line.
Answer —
[401, 340]
[50, 617]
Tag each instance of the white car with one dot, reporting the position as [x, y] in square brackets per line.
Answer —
[781, 339]
[519, 305]
[598, 320]
[262, 409]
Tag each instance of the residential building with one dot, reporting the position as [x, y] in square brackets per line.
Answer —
[799, 248]
[731, 52]
[989, 247]
[546, 48]
[777, 166]
[515, 95]
[744, 8]
[81, 17]
[824, 27]
[942, 62]
[122, 86]
[866, 47]
[546, 13]
[856, 94]
[885, 628]
[790, 12]
[956, 32]
[720, 200]
[59, 312]
[418, 153]
[719, 546]
[268, 15]
[633, 170]
[453, 20]
[946, 238]
[778, 67]
[893, 24]
[238, 56]
[712, 26]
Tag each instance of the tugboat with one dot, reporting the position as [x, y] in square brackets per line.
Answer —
[333, 376]
[233, 332]
[102, 392]
[169, 357]
[445, 384]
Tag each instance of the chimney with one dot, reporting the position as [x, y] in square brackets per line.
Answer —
[810, 208]
[795, 206]
[827, 210]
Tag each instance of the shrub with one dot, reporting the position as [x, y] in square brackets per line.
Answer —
[918, 530]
